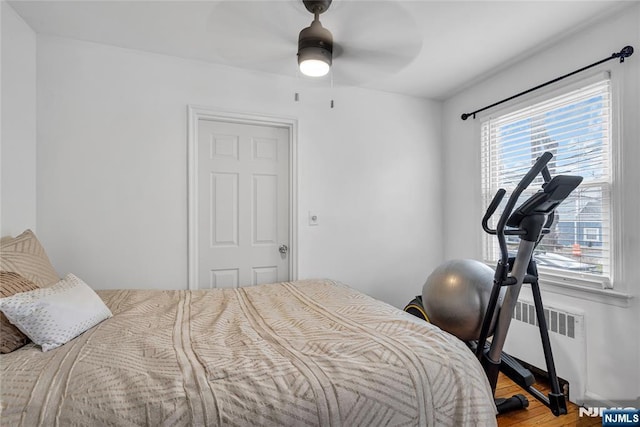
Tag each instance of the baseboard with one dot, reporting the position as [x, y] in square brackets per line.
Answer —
[595, 400]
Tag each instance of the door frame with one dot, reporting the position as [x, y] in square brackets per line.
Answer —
[194, 115]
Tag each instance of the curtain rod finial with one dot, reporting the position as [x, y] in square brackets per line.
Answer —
[626, 52]
[465, 116]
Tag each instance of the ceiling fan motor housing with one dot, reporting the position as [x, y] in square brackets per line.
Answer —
[315, 42]
[317, 6]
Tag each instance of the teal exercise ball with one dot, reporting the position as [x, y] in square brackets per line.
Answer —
[455, 297]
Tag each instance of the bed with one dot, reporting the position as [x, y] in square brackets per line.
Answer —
[286, 354]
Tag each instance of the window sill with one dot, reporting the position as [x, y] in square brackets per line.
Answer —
[566, 287]
[578, 287]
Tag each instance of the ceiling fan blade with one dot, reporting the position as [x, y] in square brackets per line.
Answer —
[365, 66]
[261, 35]
[356, 65]
[368, 43]
[357, 21]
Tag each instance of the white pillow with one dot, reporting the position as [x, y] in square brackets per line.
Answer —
[55, 315]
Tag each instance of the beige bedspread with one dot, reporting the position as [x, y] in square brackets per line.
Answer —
[289, 354]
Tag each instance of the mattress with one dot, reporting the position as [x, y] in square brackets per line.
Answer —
[307, 353]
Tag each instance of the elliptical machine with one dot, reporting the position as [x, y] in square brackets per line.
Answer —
[530, 222]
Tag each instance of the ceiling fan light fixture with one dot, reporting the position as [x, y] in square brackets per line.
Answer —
[315, 50]
[314, 67]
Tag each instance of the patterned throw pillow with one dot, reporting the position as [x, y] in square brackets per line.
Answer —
[10, 337]
[25, 255]
[55, 315]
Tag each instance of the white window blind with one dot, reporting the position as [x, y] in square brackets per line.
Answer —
[576, 128]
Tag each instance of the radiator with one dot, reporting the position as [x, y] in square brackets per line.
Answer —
[567, 336]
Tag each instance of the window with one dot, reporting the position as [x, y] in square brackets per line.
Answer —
[576, 128]
[591, 234]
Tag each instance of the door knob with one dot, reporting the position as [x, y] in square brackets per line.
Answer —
[283, 249]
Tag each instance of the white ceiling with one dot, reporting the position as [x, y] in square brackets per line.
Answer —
[422, 48]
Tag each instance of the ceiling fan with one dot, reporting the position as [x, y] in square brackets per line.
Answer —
[368, 40]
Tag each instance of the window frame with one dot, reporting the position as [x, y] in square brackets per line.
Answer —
[589, 286]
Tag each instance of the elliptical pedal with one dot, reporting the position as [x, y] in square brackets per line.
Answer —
[513, 403]
[514, 370]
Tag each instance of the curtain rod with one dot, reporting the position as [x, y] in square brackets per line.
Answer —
[626, 52]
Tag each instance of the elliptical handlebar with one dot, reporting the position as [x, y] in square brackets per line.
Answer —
[540, 166]
[537, 167]
[491, 209]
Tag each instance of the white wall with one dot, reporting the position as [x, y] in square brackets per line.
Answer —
[613, 341]
[112, 169]
[18, 147]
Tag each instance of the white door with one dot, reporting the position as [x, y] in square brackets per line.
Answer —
[243, 204]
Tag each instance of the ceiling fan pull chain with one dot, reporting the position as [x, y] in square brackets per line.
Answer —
[331, 79]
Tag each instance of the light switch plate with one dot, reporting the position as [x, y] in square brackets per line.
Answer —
[313, 218]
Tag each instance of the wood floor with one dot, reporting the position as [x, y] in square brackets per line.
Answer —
[537, 414]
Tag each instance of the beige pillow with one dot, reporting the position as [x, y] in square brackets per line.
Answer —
[10, 284]
[25, 255]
